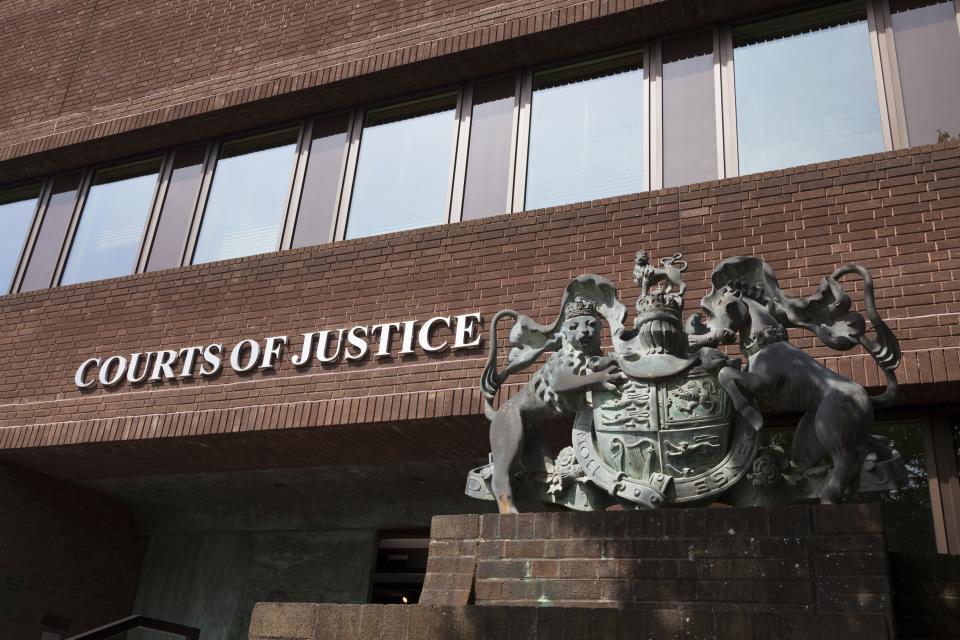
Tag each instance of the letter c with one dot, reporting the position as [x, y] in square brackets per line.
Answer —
[79, 379]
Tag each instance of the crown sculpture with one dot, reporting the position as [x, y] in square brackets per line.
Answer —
[668, 419]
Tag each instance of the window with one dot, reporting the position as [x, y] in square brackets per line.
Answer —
[805, 89]
[17, 207]
[404, 168]
[927, 42]
[907, 515]
[586, 133]
[53, 232]
[248, 198]
[487, 186]
[689, 110]
[110, 232]
[401, 567]
[321, 184]
[173, 229]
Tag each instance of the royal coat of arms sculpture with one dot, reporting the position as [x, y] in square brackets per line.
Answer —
[667, 418]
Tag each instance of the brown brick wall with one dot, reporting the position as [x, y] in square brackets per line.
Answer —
[824, 559]
[897, 213]
[77, 73]
[67, 553]
[290, 621]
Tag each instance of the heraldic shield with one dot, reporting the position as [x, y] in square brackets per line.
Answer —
[665, 418]
[668, 440]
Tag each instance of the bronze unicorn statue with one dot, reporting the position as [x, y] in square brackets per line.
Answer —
[747, 306]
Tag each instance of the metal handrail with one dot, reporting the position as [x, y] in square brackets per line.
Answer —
[133, 622]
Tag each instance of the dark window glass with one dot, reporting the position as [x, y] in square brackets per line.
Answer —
[321, 183]
[907, 515]
[401, 567]
[404, 168]
[487, 185]
[170, 238]
[689, 110]
[17, 207]
[248, 198]
[806, 89]
[928, 55]
[110, 232]
[53, 231]
[586, 133]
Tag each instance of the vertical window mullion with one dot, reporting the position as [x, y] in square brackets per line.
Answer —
[160, 194]
[523, 142]
[890, 71]
[728, 108]
[296, 185]
[514, 142]
[876, 21]
[718, 102]
[956, 10]
[208, 169]
[461, 149]
[653, 99]
[45, 193]
[82, 194]
[341, 213]
[350, 173]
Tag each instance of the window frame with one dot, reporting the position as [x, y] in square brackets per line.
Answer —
[26, 247]
[82, 194]
[161, 199]
[887, 82]
[891, 108]
[209, 173]
[525, 112]
[720, 117]
[457, 170]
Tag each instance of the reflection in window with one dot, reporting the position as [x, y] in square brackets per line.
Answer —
[907, 515]
[404, 168]
[53, 232]
[689, 120]
[321, 184]
[586, 133]
[248, 197]
[108, 238]
[170, 239]
[17, 207]
[487, 187]
[805, 89]
[927, 41]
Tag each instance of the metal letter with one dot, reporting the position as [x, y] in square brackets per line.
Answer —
[190, 354]
[271, 351]
[79, 379]
[304, 358]
[212, 355]
[121, 368]
[237, 353]
[164, 363]
[408, 335]
[383, 350]
[424, 335]
[322, 347]
[467, 328]
[355, 341]
[132, 376]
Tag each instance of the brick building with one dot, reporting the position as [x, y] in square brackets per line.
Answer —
[191, 191]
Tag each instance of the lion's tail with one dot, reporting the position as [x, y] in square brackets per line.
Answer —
[884, 348]
[491, 379]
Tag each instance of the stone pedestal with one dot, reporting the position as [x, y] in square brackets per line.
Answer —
[786, 572]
